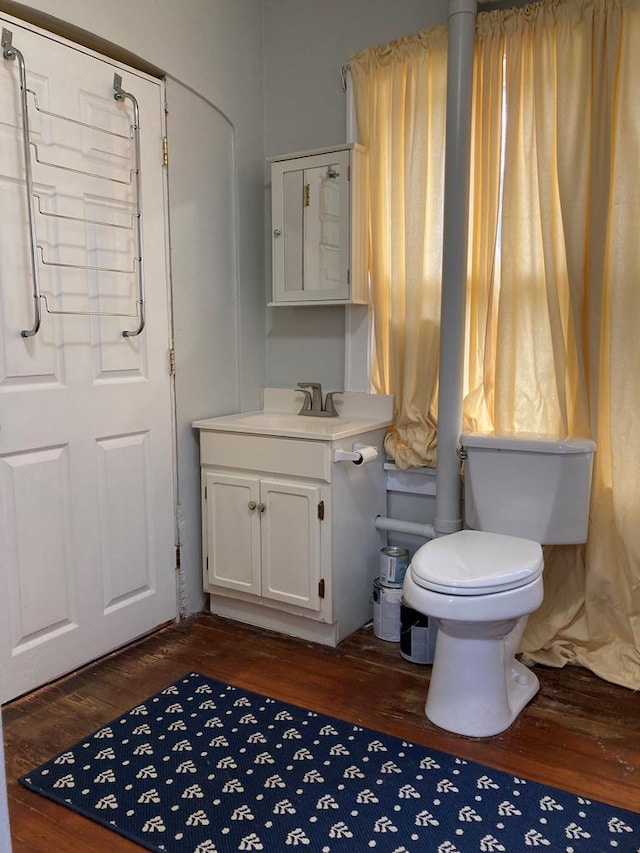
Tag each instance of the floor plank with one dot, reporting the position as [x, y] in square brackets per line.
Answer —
[579, 733]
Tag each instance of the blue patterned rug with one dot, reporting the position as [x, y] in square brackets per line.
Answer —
[204, 767]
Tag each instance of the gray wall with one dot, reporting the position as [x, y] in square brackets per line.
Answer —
[306, 43]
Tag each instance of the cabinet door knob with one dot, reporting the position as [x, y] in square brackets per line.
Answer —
[252, 505]
[277, 232]
[261, 507]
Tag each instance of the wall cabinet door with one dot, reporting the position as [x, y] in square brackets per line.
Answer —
[291, 543]
[318, 234]
[263, 537]
[233, 531]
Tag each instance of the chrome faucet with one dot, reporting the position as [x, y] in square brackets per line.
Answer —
[312, 405]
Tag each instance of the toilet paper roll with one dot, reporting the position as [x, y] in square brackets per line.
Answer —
[367, 453]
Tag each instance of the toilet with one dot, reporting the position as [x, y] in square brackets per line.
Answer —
[481, 583]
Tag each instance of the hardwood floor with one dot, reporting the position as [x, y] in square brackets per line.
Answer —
[579, 733]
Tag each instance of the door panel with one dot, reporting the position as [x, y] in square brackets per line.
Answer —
[86, 444]
[123, 482]
[35, 484]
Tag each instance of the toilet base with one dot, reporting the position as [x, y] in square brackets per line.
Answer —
[477, 686]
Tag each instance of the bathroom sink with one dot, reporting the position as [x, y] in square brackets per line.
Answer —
[276, 420]
[358, 413]
[292, 425]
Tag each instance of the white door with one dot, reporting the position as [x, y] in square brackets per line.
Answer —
[86, 450]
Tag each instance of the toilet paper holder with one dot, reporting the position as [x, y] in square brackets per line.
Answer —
[360, 455]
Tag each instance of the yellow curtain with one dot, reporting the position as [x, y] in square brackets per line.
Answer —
[400, 94]
[558, 349]
[554, 277]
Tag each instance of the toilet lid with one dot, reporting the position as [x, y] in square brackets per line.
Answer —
[472, 562]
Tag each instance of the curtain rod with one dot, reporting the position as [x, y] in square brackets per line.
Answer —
[484, 6]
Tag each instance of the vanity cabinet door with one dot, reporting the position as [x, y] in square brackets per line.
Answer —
[290, 536]
[263, 537]
[233, 531]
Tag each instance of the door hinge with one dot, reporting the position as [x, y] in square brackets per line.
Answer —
[165, 151]
[321, 510]
[172, 361]
[205, 493]
[306, 201]
[321, 588]
[178, 558]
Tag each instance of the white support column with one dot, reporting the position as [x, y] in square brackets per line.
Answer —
[462, 16]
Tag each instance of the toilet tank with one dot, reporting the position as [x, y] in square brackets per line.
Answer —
[530, 486]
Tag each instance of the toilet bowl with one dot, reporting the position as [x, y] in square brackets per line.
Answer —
[480, 584]
[479, 587]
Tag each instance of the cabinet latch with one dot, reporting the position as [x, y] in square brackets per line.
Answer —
[321, 510]
[321, 589]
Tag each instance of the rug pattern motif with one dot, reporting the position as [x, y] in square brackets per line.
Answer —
[205, 767]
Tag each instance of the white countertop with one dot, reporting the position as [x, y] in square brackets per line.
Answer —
[358, 413]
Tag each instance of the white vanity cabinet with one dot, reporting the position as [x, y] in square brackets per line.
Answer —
[318, 227]
[263, 533]
[288, 535]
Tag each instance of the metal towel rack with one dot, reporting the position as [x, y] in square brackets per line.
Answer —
[37, 253]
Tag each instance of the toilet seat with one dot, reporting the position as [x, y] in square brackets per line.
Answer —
[473, 562]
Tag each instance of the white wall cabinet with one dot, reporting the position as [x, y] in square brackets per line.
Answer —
[318, 227]
[289, 539]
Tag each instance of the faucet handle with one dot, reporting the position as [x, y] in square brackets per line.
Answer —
[306, 406]
[329, 406]
[316, 394]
